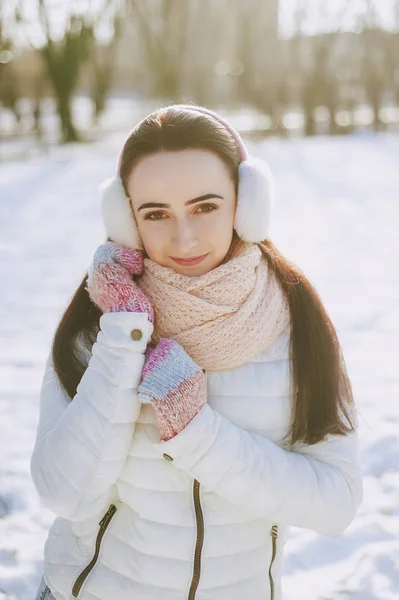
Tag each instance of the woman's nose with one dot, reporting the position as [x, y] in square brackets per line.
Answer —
[185, 236]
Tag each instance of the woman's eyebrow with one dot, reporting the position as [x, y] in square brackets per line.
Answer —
[161, 205]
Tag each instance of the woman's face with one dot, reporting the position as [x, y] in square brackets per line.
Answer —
[184, 203]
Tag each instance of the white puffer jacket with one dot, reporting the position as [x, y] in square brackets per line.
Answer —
[202, 516]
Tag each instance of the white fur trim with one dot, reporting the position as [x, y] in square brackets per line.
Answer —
[117, 213]
[255, 200]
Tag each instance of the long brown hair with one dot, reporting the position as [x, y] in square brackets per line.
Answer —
[323, 398]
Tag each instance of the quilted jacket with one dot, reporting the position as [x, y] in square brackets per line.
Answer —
[202, 516]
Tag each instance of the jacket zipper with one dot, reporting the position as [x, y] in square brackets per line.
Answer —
[105, 521]
[200, 536]
[274, 534]
[198, 545]
[199, 541]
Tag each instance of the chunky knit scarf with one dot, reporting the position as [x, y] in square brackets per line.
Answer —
[221, 318]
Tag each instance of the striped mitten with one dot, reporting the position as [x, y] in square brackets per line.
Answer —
[174, 384]
[110, 281]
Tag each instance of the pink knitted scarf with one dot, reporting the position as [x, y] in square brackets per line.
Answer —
[221, 318]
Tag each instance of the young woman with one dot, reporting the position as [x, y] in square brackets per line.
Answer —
[191, 410]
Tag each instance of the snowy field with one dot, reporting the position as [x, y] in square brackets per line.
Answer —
[337, 218]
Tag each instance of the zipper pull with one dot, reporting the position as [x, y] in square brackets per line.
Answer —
[108, 514]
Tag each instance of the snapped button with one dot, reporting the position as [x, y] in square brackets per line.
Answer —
[136, 334]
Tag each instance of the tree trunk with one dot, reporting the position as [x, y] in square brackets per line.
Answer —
[68, 130]
[375, 103]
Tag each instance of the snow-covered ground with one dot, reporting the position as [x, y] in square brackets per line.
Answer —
[337, 218]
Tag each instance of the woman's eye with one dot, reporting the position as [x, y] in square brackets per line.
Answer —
[208, 206]
[153, 216]
[149, 216]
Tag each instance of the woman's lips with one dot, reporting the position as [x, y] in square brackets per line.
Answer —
[189, 263]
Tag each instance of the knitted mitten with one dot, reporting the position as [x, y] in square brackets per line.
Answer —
[110, 280]
[174, 384]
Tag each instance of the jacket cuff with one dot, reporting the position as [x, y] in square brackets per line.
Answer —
[118, 354]
[193, 442]
[129, 330]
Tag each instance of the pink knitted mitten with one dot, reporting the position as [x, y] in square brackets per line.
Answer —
[110, 280]
[174, 384]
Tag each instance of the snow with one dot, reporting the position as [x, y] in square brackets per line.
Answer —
[336, 217]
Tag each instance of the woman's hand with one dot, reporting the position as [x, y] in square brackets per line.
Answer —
[174, 384]
[110, 281]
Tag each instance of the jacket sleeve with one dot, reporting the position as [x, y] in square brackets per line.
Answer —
[317, 487]
[81, 445]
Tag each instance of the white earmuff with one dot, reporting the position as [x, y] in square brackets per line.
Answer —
[117, 213]
[255, 200]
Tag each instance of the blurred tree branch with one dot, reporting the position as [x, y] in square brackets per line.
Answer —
[375, 60]
[64, 58]
[103, 56]
[259, 53]
[163, 28]
[9, 83]
[312, 59]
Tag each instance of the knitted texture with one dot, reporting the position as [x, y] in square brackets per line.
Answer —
[175, 386]
[222, 318]
[110, 281]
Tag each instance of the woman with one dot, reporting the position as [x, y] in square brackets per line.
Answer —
[190, 412]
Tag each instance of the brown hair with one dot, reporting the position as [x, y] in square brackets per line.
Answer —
[322, 392]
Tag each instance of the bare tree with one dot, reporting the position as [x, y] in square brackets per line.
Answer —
[162, 26]
[259, 51]
[64, 60]
[374, 61]
[9, 84]
[313, 59]
[206, 33]
[392, 56]
[103, 56]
